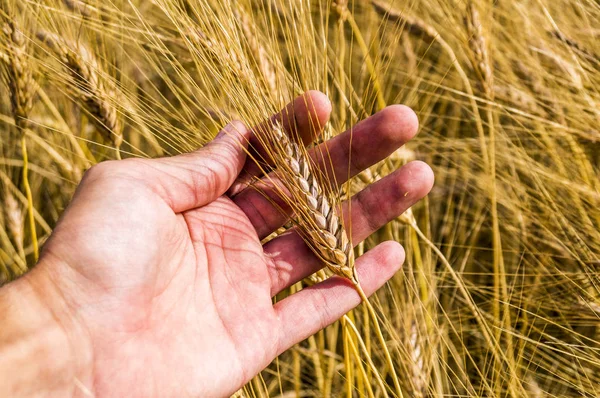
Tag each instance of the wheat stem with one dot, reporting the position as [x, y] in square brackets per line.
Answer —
[348, 322]
[378, 332]
[347, 363]
[332, 344]
[29, 196]
[316, 358]
[297, 369]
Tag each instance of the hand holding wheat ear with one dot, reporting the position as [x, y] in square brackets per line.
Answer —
[155, 282]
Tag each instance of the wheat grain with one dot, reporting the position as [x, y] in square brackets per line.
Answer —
[327, 235]
[223, 55]
[560, 64]
[90, 87]
[571, 73]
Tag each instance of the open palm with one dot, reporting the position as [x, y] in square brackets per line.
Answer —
[161, 264]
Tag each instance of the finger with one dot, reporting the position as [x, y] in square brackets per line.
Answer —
[303, 119]
[303, 314]
[194, 179]
[291, 260]
[342, 157]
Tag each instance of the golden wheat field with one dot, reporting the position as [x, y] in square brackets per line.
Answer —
[500, 292]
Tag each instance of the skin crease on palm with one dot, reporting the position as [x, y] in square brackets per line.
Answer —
[155, 282]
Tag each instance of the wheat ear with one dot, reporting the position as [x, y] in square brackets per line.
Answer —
[575, 46]
[479, 51]
[93, 91]
[327, 236]
[19, 75]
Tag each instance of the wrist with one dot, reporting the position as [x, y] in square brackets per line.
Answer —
[44, 350]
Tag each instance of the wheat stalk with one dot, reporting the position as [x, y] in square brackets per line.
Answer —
[322, 228]
[91, 89]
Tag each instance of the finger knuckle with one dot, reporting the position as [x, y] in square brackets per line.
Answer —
[99, 171]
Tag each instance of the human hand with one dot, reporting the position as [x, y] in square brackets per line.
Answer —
[159, 278]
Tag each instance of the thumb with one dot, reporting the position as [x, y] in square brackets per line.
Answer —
[197, 178]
